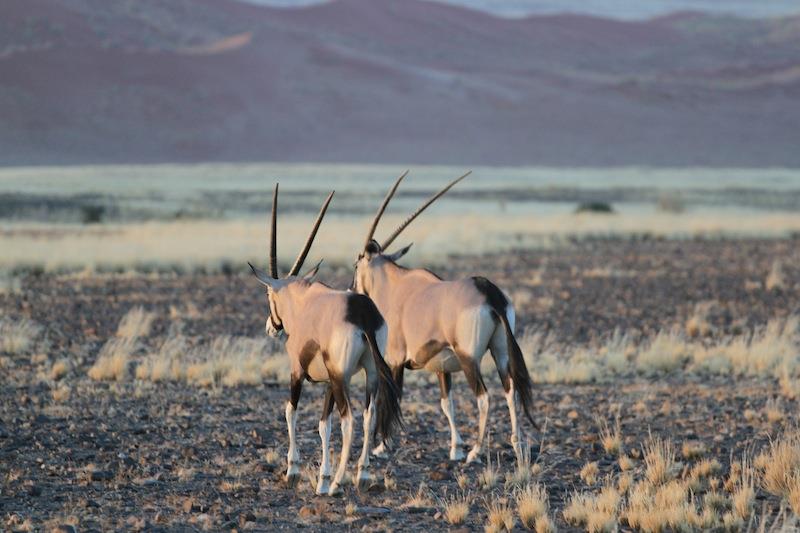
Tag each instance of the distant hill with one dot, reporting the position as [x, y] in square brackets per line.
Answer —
[622, 9]
[407, 81]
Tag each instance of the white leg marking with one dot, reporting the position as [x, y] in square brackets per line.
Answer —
[380, 450]
[293, 457]
[324, 482]
[363, 460]
[483, 414]
[347, 440]
[511, 400]
[448, 406]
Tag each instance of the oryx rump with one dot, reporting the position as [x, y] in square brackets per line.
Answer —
[330, 335]
[444, 327]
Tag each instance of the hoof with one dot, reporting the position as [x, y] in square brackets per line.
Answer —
[291, 479]
[456, 454]
[324, 486]
[474, 456]
[335, 490]
[379, 451]
[364, 481]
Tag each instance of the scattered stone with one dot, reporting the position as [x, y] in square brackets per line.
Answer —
[101, 475]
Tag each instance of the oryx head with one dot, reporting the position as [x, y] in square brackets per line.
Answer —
[374, 254]
[276, 286]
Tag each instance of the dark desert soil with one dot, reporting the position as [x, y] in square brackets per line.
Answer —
[168, 456]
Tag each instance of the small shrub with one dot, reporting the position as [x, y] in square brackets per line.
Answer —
[595, 207]
[92, 214]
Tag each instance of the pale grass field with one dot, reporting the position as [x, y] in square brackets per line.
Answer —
[210, 243]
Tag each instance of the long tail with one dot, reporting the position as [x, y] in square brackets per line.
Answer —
[519, 371]
[388, 416]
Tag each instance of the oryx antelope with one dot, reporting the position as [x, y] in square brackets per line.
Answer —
[330, 335]
[444, 327]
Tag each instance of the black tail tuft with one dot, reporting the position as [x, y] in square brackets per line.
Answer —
[388, 416]
[519, 370]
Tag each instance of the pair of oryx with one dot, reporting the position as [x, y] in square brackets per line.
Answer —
[441, 326]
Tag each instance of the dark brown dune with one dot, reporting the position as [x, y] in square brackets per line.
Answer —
[390, 81]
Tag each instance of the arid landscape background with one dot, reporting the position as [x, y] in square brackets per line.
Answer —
[635, 192]
[392, 81]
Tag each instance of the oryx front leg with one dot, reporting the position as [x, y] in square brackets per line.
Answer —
[293, 456]
[448, 407]
[324, 482]
[499, 350]
[473, 373]
[342, 399]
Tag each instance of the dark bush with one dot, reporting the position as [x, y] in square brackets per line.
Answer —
[595, 207]
[92, 214]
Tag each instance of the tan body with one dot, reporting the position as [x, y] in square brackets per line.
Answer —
[445, 327]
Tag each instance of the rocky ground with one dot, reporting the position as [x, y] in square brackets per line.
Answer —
[140, 455]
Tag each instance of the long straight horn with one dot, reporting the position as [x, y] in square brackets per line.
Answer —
[382, 208]
[298, 264]
[273, 237]
[416, 213]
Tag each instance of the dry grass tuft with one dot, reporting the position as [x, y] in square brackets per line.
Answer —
[113, 361]
[135, 324]
[61, 394]
[59, 369]
[611, 439]
[350, 509]
[462, 480]
[271, 456]
[781, 465]
[524, 470]
[744, 493]
[500, 517]
[545, 525]
[595, 513]
[667, 352]
[166, 364]
[228, 361]
[18, 336]
[490, 474]
[422, 498]
[793, 494]
[773, 409]
[589, 473]
[456, 509]
[626, 463]
[532, 505]
[698, 324]
[693, 449]
[659, 459]
[704, 469]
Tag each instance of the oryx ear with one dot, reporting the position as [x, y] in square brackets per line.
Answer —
[261, 276]
[372, 247]
[400, 253]
[311, 274]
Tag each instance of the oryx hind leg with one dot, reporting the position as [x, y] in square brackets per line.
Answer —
[371, 381]
[341, 396]
[324, 481]
[474, 331]
[472, 371]
[293, 456]
[448, 407]
[498, 346]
